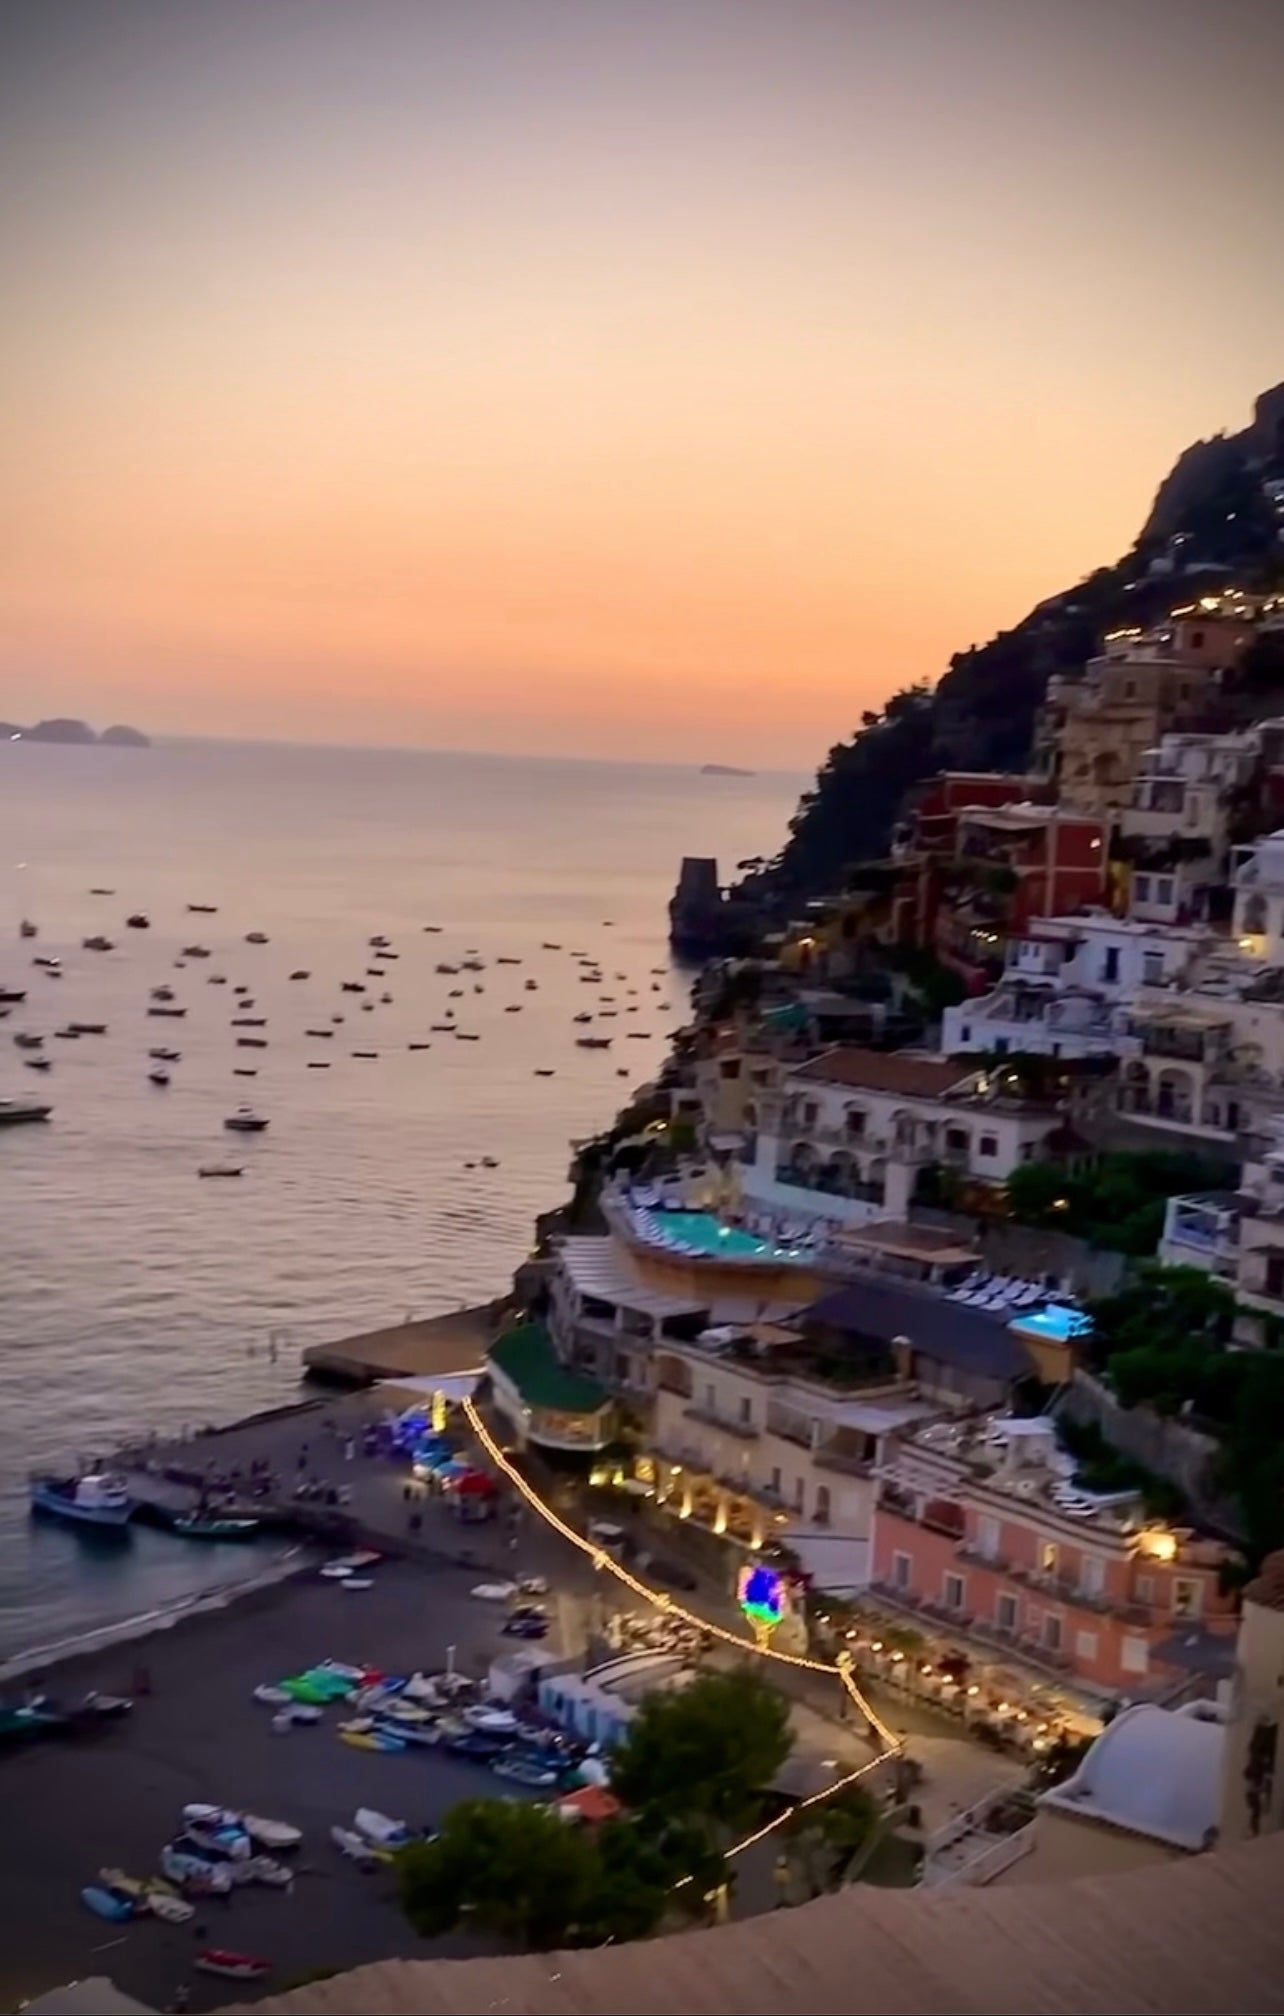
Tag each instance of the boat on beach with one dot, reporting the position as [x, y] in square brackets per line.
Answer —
[245, 1121]
[98, 1499]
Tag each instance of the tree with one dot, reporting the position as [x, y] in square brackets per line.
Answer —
[829, 1836]
[709, 1750]
[517, 1869]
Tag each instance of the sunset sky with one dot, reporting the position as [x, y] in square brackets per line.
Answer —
[658, 378]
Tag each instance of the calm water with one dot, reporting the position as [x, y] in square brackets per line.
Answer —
[136, 1295]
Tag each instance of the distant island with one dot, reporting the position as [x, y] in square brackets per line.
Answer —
[724, 770]
[76, 733]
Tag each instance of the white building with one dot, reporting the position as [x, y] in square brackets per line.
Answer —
[1201, 1229]
[755, 1436]
[1177, 827]
[1064, 981]
[1258, 875]
[850, 1130]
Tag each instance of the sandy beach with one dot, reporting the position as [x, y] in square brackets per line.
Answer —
[72, 1809]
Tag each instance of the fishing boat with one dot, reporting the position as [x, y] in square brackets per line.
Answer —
[163, 1056]
[97, 943]
[206, 1526]
[158, 1077]
[16, 1112]
[219, 1169]
[245, 1121]
[138, 921]
[96, 1499]
[256, 938]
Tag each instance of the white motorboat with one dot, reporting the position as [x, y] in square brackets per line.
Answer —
[96, 1499]
[245, 1121]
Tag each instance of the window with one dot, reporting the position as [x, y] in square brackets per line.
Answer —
[1152, 968]
[710, 1399]
[855, 1120]
[1085, 1646]
[1163, 888]
[622, 1367]
[1187, 1598]
[798, 1493]
[822, 1504]
[1005, 1612]
[1141, 888]
[988, 1145]
[954, 1592]
[987, 1539]
[746, 1412]
[1052, 1632]
[1048, 1558]
[956, 1139]
[965, 1033]
[1130, 689]
[775, 1481]
[730, 1067]
[1001, 1046]
[1134, 1655]
[1028, 1147]
[1110, 965]
[901, 1571]
[1092, 1575]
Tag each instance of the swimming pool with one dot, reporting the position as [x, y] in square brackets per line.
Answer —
[703, 1233]
[1055, 1321]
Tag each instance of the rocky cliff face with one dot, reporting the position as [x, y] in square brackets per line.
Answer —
[1213, 523]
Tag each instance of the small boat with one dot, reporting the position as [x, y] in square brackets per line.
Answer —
[442, 1028]
[107, 1904]
[240, 990]
[158, 1077]
[507, 960]
[219, 1169]
[324, 1034]
[513, 1008]
[102, 892]
[380, 1829]
[88, 1028]
[593, 1042]
[271, 1697]
[97, 943]
[352, 1846]
[531, 986]
[365, 1053]
[12, 995]
[367, 1007]
[637, 1035]
[300, 973]
[203, 909]
[543, 1074]
[623, 1071]
[205, 1526]
[489, 1162]
[336, 1019]
[352, 986]
[385, 954]
[245, 1121]
[467, 1036]
[379, 941]
[46, 960]
[374, 972]
[38, 1063]
[17, 1112]
[419, 1046]
[249, 1022]
[216, 980]
[583, 1016]
[196, 951]
[244, 1071]
[26, 929]
[444, 968]
[256, 938]
[316, 1064]
[26, 1040]
[195, 1872]
[96, 1499]
[171, 1910]
[164, 993]
[357, 1582]
[455, 994]
[137, 921]
[524, 1771]
[386, 1000]
[233, 1966]
[68, 1035]
[164, 1056]
[158, 1008]
[251, 1042]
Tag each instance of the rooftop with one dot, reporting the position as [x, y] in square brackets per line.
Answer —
[1202, 1937]
[1021, 1459]
[936, 1329]
[899, 1072]
[527, 1359]
[1155, 1772]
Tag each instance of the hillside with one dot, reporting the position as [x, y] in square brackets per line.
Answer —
[1212, 524]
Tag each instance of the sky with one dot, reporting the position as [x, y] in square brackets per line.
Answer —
[667, 379]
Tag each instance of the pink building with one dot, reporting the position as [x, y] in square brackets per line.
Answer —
[979, 1530]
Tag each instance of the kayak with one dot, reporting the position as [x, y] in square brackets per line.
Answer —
[235, 1966]
[171, 1910]
[107, 1904]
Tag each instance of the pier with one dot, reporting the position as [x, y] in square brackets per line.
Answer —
[437, 1345]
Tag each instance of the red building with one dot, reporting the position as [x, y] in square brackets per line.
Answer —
[980, 856]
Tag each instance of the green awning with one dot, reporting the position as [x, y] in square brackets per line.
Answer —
[527, 1359]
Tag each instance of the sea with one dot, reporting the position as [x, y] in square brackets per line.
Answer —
[133, 1294]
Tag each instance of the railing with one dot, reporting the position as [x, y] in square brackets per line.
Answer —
[987, 1863]
[842, 1461]
[709, 1417]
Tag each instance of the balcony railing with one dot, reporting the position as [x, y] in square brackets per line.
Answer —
[710, 1417]
[841, 1460]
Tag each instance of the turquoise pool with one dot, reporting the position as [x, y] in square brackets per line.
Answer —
[1056, 1321]
[706, 1234]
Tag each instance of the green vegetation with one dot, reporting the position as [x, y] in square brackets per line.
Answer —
[706, 1752]
[826, 1840]
[1118, 1203]
[1103, 1468]
[1165, 1342]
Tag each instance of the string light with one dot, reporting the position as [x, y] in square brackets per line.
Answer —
[664, 1602]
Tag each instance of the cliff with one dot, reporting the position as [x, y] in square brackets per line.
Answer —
[77, 734]
[1214, 522]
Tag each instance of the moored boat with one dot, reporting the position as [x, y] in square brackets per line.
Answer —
[96, 1499]
[16, 1112]
[245, 1121]
[208, 1526]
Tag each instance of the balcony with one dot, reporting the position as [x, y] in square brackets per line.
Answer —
[710, 1417]
[841, 1461]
